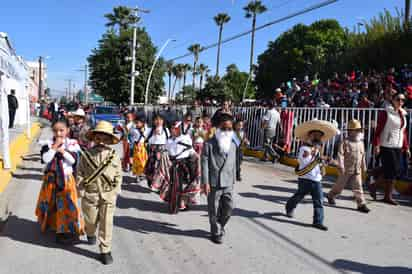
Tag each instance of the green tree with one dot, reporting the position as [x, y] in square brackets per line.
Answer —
[110, 69]
[221, 19]
[185, 68]
[195, 49]
[235, 83]
[202, 69]
[407, 19]
[215, 89]
[169, 69]
[253, 9]
[187, 95]
[122, 17]
[178, 74]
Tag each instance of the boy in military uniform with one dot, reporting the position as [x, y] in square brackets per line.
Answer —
[99, 178]
[351, 165]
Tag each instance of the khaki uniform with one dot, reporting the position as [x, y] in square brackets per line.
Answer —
[351, 162]
[99, 198]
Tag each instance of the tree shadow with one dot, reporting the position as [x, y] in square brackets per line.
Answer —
[28, 232]
[135, 188]
[35, 169]
[35, 177]
[149, 226]
[276, 188]
[142, 205]
[270, 198]
[370, 269]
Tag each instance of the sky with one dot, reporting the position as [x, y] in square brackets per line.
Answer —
[67, 30]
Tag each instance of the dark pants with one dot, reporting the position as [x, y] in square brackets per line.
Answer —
[239, 156]
[12, 115]
[269, 137]
[315, 190]
[220, 207]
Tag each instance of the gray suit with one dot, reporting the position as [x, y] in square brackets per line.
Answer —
[219, 170]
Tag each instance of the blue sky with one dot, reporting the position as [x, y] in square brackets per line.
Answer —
[67, 30]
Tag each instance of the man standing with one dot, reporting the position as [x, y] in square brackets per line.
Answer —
[218, 176]
[270, 123]
[224, 109]
[13, 106]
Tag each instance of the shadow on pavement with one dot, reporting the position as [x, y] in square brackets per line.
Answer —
[35, 177]
[370, 269]
[35, 169]
[149, 226]
[143, 205]
[138, 188]
[270, 198]
[28, 232]
[276, 188]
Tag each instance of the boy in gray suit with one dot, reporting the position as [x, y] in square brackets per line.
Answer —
[218, 176]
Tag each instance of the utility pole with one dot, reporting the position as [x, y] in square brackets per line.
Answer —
[69, 90]
[133, 73]
[40, 78]
[85, 91]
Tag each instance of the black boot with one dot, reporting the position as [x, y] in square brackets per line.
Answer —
[106, 258]
[91, 240]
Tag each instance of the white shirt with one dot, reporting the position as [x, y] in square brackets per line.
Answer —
[70, 145]
[135, 135]
[272, 118]
[175, 148]
[315, 174]
[158, 138]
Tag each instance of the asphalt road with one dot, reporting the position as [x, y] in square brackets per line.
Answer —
[260, 239]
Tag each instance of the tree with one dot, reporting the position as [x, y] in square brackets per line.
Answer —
[214, 89]
[185, 68]
[195, 49]
[220, 20]
[202, 70]
[253, 9]
[169, 69]
[110, 69]
[187, 95]
[235, 83]
[122, 17]
[407, 14]
[178, 73]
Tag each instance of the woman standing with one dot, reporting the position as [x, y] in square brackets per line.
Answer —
[390, 141]
[158, 165]
[57, 206]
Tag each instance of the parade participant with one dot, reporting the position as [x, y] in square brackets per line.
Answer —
[57, 205]
[351, 164]
[207, 125]
[309, 170]
[138, 136]
[79, 130]
[271, 121]
[224, 109]
[199, 135]
[158, 165]
[126, 142]
[184, 187]
[390, 141]
[187, 125]
[100, 177]
[218, 165]
[241, 141]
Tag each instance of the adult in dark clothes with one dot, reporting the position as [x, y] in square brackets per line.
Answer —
[13, 106]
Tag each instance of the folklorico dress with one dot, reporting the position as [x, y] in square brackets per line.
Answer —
[157, 169]
[184, 187]
[138, 139]
[57, 206]
[126, 143]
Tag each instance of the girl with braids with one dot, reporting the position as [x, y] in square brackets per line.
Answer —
[57, 207]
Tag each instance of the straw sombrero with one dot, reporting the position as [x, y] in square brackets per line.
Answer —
[328, 129]
[105, 128]
[354, 125]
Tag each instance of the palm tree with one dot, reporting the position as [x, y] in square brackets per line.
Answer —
[220, 20]
[122, 17]
[186, 68]
[407, 13]
[195, 49]
[202, 69]
[252, 10]
[169, 69]
[178, 73]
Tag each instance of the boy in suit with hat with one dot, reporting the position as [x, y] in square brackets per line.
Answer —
[99, 178]
[218, 163]
[351, 164]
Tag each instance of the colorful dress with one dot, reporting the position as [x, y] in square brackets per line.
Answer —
[184, 187]
[58, 205]
[126, 144]
[157, 169]
[138, 138]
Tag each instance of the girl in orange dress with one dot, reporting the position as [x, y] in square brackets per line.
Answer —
[57, 206]
[138, 138]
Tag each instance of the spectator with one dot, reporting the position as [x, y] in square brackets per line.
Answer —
[224, 109]
[13, 106]
[271, 121]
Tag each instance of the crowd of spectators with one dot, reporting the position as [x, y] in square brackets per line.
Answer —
[353, 90]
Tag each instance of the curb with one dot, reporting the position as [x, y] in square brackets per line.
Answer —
[403, 187]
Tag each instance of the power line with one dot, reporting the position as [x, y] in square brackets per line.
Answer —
[301, 12]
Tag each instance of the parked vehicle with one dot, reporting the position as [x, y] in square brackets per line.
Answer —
[106, 113]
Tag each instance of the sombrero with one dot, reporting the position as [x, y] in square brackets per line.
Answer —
[103, 127]
[354, 125]
[327, 128]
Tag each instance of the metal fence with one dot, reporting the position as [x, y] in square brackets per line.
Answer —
[253, 117]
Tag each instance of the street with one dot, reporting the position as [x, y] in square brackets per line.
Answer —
[260, 238]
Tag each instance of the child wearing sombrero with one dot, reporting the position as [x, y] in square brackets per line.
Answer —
[351, 165]
[313, 134]
[99, 178]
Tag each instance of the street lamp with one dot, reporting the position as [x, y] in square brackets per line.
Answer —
[152, 69]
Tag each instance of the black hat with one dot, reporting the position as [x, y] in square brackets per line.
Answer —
[141, 118]
[224, 117]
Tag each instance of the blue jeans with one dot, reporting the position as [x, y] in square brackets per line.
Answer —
[315, 189]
